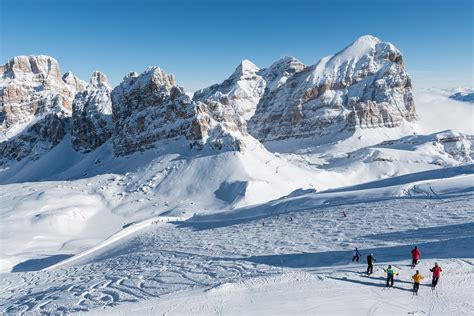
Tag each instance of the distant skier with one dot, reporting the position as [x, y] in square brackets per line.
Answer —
[415, 256]
[370, 264]
[436, 274]
[417, 277]
[390, 275]
[356, 256]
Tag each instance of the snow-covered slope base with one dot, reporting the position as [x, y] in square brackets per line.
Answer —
[105, 193]
[243, 260]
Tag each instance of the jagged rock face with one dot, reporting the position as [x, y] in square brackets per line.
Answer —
[459, 146]
[146, 108]
[278, 73]
[74, 82]
[244, 88]
[92, 115]
[32, 86]
[150, 107]
[364, 85]
[37, 139]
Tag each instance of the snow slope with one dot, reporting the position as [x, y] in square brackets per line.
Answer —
[104, 193]
[230, 263]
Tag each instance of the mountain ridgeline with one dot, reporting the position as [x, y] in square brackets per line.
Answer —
[363, 86]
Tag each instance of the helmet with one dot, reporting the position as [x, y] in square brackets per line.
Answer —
[389, 266]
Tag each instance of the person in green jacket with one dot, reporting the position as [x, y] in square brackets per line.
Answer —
[390, 275]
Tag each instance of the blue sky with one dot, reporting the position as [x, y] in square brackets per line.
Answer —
[201, 42]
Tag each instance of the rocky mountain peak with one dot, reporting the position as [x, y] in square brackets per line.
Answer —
[75, 83]
[153, 76]
[245, 68]
[92, 114]
[247, 85]
[150, 107]
[40, 66]
[32, 86]
[99, 80]
[364, 85]
[240, 92]
[280, 71]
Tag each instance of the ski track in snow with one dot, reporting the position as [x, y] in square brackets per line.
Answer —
[164, 258]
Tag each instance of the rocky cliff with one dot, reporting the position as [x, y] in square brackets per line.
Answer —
[247, 84]
[151, 107]
[32, 86]
[37, 139]
[35, 105]
[364, 85]
[92, 114]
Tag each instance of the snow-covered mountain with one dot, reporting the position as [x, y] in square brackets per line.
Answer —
[246, 86]
[364, 85]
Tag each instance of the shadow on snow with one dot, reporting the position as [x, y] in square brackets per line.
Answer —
[39, 264]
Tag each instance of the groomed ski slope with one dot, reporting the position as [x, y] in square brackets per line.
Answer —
[293, 260]
[339, 291]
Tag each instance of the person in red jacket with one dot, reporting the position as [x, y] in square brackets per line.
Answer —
[415, 256]
[436, 274]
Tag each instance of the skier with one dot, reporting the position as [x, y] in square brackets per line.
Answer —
[417, 277]
[415, 256]
[390, 274]
[356, 256]
[436, 274]
[370, 264]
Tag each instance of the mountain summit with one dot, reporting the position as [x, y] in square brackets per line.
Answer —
[364, 85]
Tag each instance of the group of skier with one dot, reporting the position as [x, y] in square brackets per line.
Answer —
[417, 277]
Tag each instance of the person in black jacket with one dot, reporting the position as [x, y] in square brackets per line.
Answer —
[356, 256]
[370, 264]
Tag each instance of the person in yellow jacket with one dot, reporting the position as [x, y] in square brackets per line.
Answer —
[417, 277]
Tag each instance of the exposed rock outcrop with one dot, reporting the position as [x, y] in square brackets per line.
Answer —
[37, 139]
[32, 86]
[244, 88]
[92, 114]
[364, 85]
[35, 102]
[278, 73]
[150, 107]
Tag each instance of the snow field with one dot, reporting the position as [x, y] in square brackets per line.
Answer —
[164, 258]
